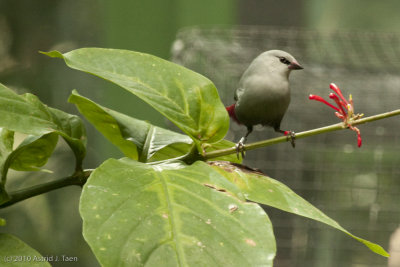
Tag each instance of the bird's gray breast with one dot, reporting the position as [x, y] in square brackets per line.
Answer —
[260, 101]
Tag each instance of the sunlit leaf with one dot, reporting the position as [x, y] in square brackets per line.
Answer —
[185, 97]
[135, 214]
[260, 188]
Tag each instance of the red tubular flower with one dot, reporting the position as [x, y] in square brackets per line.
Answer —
[320, 99]
[338, 103]
[344, 109]
[359, 140]
[338, 92]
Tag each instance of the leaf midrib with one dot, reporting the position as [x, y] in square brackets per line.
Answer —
[179, 250]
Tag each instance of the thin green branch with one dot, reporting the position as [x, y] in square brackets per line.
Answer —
[79, 178]
[331, 128]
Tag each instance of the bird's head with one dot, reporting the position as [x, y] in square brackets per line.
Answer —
[280, 61]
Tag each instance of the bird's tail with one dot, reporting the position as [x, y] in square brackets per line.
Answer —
[231, 112]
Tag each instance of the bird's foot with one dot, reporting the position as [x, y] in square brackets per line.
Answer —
[291, 136]
[240, 147]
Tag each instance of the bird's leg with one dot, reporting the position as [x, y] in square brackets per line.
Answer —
[289, 135]
[240, 145]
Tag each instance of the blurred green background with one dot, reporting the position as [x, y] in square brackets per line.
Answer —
[51, 223]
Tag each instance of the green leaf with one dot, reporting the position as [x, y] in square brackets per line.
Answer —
[6, 146]
[6, 143]
[68, 126]
[130, 135]
[33, 152]
[30, 155]
[156, 139]
[185, 97]
[2, 222]
[26, 114]
[14, 252]
[137, 214]
[174, 150]
[104, 123]
[18, 114]
[260, 188]
[179, 149]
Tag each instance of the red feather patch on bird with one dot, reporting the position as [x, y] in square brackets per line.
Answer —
[231, 112]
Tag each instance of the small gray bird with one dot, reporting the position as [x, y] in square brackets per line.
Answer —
[263, 94]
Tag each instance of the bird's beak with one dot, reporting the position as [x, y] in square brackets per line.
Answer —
[295, 65]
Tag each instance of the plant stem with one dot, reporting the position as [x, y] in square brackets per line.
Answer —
[78, 178]
[331, 128]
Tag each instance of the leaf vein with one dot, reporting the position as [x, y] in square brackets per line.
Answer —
[179, 250]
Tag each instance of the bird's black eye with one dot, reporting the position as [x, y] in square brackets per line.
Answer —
[284, 60]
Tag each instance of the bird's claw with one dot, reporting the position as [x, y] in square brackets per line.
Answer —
[291, 136]
[240, 147]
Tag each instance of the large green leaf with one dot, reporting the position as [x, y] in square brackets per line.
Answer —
[136, 214]
[185, 97]
[14, 252]
[260, 188]
[26, 114]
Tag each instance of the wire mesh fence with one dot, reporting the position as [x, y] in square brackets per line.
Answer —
[360, 188]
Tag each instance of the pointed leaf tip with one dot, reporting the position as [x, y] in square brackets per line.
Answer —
[53, 53]
[73, 94]
[259, 188]
[186, 98]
